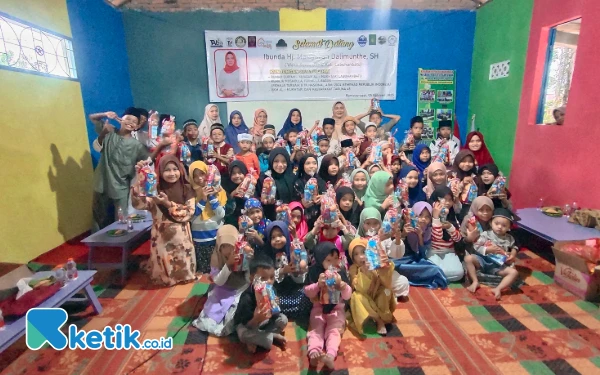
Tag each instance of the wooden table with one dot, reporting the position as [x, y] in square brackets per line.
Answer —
[126, 243]
[14, 330]
[553, 228]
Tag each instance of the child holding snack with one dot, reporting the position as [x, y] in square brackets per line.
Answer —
[299, 226]
[329, 130]
[410, 176]
[307, 169]
[477, 220]
[486, 176]
[190, 132]
[496, 253]
[364, 150]
[444, 235]
[360, 180]
[349, 207]
[172, 258]
[421, 159]
[349, 130]
[246, 155]
[330, 170]
[222, 153]
[371, 297]
[416, 129]
[323, 143]
[395, 166]
[208, 217]
[292, 147]
[464, 169]
[289, 280]
[329, 232]
[217, 316]
[235, 196]
[268, 142]
[256, 325]
[281, 172]
[437, 175]
[380, 191]
[327, 318]
[256, 233]
[444, 134]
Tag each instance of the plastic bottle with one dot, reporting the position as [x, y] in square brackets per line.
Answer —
[121, 216]
[71, 269]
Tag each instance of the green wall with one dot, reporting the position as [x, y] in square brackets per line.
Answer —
[167, 58]
[501, 33]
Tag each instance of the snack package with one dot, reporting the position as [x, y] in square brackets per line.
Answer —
[280, 142]
[498, 186]
[390, 220]
[499, 259]
[471, 193]
[153, 118]
[345, 180]
[401, 192]
[474, 223]
[409, 140]
[330, 294]
[444, 212]
[248, 185]
[269, 190]
[265, 296]
[283, 212]
[329, 206]
[245, 223]
[376, 153]
[299, 255]
[310, 189]
[456, 185]
[185, 155]
[392, 140]
[410, 217]
[281, 260]
[240, 249]
[314, 144]
[375, 256]
[213, 179]
[147, 182]
[351, 160]
[443, 155]
[168, 131]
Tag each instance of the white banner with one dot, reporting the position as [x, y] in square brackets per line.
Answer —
[328, 65]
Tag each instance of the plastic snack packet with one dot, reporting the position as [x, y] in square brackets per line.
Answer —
[147, 182]
[401, 192]
[248, 185]
[444, 212]
[499, 259]
[283, 212]
[471, 193]
[185, 155]
[269, 190]
[410, 217]
[240, 249]
[376, 153]
[245, 223]
[265, 296]
[330, 294]
[409, 140]
[376, 258]
[299, 255]
[329, 206]
[498, 186]
[474, 223]
[310, 189]
[281, 260]
[213, 179]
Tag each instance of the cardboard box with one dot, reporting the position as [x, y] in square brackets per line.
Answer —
[573, 274]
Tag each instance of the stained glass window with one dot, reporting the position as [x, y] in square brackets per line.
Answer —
[27, 48]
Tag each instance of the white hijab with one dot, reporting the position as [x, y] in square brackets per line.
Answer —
[204, 128]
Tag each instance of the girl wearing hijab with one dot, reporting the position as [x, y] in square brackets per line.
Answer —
[208, 216]
[374, 168]
[369, 226]
[437, 175]
[235, 197]
[217, 316]
[360, 180]
[371, 298]
[223, 152]
[289, 282]
[172, 259]
[330, 170]
[339, 114]
[300, 226]
[444, 236]
[464, 164]
[230, 82]
[237, 126]
[211, 117]
[482, 209]
[349, 207]
[257, 131]
[421, 158]
[486, 175]
[476, 144]
[307, 169]
[293, 121]
[281, 171]
[379, 191]
[327, 320]
[410, 175]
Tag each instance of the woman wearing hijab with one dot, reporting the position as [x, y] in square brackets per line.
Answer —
[217, 316]
[230, 82]
[237, 126]
[379, 191]
[280, 168]
[486, 175]
[208, 217]
[293, 121]
[418, 162]
[211, 117]
[306, 170]
[172, 258]
[257, 131]
[339, 114]
[415, 188]
[289, 285]
[328, 172]
[476, 144]
[235, 198]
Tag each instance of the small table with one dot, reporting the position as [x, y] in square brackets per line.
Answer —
[101, 238]
[553, 228]
[15, 329]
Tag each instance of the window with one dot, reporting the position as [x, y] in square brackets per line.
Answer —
[560, 63]
[26, 48]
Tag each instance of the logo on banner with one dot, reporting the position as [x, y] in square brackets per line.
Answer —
[362, 40]
[216, 43]
[382, 39]
[252, 42]
[264, 43]
[229, 42]
[372, 39]
[392, 40]
[240, 42]
[281, 44]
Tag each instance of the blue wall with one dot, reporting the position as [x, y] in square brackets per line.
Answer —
[429, 40]
[101, 58]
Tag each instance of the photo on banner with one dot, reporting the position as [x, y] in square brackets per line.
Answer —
[280, 66]
[435, 98]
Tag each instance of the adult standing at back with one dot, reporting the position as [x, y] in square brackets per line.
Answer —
[339, 115]
[293, 121]
[258, 128]
[211, 117]
[236, 126]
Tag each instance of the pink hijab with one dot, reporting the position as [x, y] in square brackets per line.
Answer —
[435, 166]
[302, 228]
[257, 129]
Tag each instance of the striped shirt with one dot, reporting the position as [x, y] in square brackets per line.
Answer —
[205, 231]
[438, 244]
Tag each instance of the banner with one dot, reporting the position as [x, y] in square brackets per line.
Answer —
[435, 98]
[328, 65]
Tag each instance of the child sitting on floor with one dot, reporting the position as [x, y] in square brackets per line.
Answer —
[496, 253]
[256, 233]
[330, 233]
[327, 318]
[249, 320]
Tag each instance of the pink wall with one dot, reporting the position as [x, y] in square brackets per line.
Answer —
[560, 163]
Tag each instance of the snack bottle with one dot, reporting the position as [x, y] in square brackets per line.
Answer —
[71, 269]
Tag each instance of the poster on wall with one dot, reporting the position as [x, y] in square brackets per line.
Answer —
[328, 65]
[435, 98]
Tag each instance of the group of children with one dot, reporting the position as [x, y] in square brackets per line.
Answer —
[309, 224]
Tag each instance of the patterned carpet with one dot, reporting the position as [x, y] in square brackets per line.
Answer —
[541, 329]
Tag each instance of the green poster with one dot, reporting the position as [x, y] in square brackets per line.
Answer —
[435, 98]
